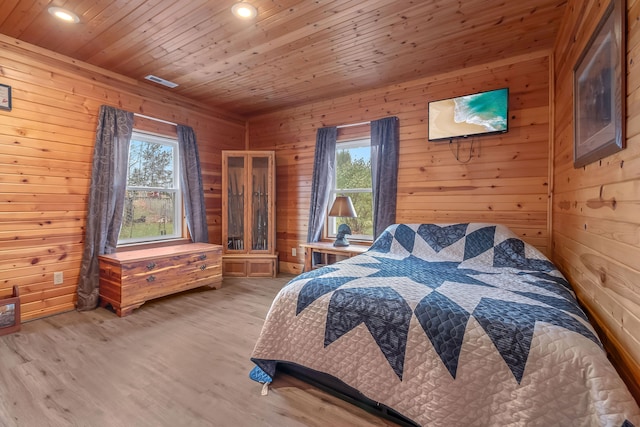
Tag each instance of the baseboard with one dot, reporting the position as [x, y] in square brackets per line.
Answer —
[291, 267]
[626, 366]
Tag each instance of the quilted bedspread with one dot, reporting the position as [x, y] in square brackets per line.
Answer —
[450, 325]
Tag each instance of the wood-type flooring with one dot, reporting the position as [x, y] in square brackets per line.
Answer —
[178, 361]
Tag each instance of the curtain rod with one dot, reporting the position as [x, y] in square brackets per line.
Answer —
[353, 124]
[154, 119]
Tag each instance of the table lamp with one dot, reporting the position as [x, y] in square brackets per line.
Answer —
[343, 208]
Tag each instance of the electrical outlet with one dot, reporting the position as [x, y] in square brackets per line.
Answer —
[58, 278]
[294, 252]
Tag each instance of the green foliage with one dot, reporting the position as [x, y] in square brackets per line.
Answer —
[355, 174]
[150, 165]
[363, 224]
[145, 229]
[352, 173]
[147, 215]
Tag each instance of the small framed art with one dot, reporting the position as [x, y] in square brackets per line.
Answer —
[5, 97]
[10, 313]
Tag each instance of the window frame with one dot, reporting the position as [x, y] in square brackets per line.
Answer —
[176, 189]
[330, 222]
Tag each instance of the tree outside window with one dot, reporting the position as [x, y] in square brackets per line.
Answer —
[153, 202]
[353, 179]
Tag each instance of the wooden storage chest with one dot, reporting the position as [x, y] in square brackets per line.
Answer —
[129, 279]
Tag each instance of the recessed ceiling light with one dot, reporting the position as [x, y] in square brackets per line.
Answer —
[64, 14]
[244, 10]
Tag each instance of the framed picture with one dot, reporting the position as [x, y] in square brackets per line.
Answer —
[10, 313]
[599, 90]
[5, 97]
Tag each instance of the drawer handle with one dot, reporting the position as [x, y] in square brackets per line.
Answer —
[203, 257]
[203, 267]
[151, 278]
[151, 266]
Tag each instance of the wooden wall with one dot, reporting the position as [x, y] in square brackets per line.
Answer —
[506, 181]
[596, 209]
[46, 149]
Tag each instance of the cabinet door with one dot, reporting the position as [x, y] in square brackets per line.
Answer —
[261, 202]
[235, 197]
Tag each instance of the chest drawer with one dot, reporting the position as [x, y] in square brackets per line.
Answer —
[128, 279]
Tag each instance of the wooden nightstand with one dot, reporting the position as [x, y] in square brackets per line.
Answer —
[330, 253]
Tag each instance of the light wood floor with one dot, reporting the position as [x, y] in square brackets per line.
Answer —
[177, 361]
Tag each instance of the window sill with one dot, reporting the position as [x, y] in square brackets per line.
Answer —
[151, 245]
[351, 241]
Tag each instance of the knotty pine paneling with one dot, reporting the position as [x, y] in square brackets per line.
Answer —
[506, 181]
[596, 221]
[46, 147]
[294, 50]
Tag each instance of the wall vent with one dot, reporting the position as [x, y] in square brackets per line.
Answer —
[161, 81]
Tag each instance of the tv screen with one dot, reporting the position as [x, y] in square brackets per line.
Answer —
[477, 114]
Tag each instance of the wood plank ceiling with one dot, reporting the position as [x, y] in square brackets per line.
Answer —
[294, 52]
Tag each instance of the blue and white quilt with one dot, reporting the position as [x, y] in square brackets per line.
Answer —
[450, 325]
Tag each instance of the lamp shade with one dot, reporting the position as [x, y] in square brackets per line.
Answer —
[342, 207]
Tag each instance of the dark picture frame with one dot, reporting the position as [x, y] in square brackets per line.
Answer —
[5, 97]
[10, 313]
[599, 90]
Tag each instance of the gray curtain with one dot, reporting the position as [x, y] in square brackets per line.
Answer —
[106, 198]
[385, 145]
[192, 189]
[323, 171]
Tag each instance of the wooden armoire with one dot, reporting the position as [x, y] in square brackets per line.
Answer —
[248, 214]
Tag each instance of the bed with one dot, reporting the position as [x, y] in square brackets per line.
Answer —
[447, 325]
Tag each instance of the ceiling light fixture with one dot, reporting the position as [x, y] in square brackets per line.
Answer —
[244, 10]
[64, 14]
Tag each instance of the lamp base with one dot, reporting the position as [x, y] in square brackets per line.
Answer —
[341, 241]
[343, 230]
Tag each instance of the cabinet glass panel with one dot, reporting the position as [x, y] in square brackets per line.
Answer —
[235, 226]
[260, 203]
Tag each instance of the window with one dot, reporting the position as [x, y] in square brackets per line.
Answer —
[353, 179]
[153, 201]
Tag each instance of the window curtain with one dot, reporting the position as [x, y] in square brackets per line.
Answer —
[192, 189]
[322, 181]
[385, 144]
[106, 198]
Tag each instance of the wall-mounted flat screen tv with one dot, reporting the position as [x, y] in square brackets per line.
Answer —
[477, 114]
